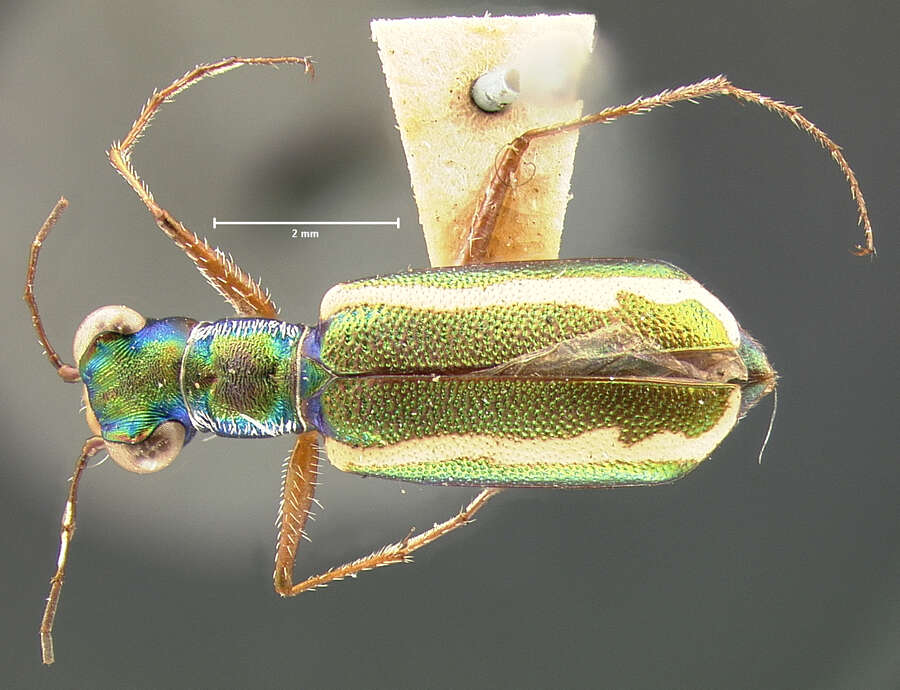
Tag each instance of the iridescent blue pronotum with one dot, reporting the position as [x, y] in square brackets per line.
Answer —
[575, 373]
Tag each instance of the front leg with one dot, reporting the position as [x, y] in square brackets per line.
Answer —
[246, 295]
[297, 497]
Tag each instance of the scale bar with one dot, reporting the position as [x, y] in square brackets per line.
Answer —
[216, 223]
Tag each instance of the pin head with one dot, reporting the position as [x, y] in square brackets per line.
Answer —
[496, 89]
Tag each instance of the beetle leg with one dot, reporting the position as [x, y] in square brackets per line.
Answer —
[66, 533]
[242, 292]
[474, 245]
[297, 492]
[296, 499]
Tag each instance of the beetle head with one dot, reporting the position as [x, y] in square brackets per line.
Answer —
[130, 369]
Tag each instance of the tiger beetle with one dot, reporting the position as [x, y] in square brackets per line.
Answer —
[571, 373]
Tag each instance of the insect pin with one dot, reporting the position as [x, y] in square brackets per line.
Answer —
[571, 373]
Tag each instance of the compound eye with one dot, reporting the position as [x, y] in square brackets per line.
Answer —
[115, 319]
[152, 454]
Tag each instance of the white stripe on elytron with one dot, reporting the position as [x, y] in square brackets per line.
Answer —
[601, 445]
[591, 292]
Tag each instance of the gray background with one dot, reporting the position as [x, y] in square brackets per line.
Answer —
[740, 576]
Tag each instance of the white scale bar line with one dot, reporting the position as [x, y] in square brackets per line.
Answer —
[216, 223]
